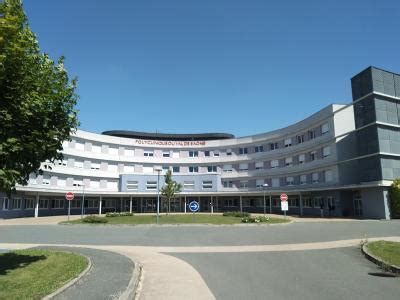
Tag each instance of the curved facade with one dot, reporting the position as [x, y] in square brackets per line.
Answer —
[319, 162]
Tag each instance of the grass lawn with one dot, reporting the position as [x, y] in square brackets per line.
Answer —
[178, 219]
[389, 252]
[33, 274]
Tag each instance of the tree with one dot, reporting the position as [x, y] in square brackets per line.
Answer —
[394, 198]
[170, 188]
[37, 100]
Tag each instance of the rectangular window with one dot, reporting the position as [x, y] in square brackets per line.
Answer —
[300, 139]
[193, 153]
[207, 184]
[132, 185]
[165, 168]
[259, 165]
[78, 164]
[228, 152]
[318, 202]
[274, 163]
[302, 158]
[315, 178]
[288, 142]
[243, 184]
[62, 163]
[259, 149]
[288, 161]
[175, 169]
[147, 169]
[242, 151]
[95, 166]
[293, 202]
[188, 185]
[328, 176]
[311, 134]
[129, 152]
[227, 168]
[313, 155]
[275, 182]
[151, 185]
[243, 167]
[259, 183]
[175, 154]
[216, 153]
[289, 180]
[212, 169]
[303, 179]
[326, 151]
[307, 202]
[148, 153]
[166, 154]
[29, 203]
[207, 153]
[325, 128]
[43, 203]
[227, 184]
[273, 146]
[57, 203]
[45, 181]
[193, 169]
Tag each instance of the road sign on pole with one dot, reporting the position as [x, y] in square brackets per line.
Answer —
[69, 196]
[284, 197]
[194, 206]
[284, 203]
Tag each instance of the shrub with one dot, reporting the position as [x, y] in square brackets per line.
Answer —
[255, 219]
[94, 219]
[116, 214]
[237, 214]
[394, 195]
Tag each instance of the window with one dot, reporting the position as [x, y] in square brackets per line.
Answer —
[212, 169]
[61, 182]
[243, 167]
[95, 166]
[315, 178]
[289, 180]
[206, 153]
[303, 179]
[62, 163]
[259, 183]
[188, 185]
[311, 134]
[165, 168]
[273, 146]
[43, 203]
[230, 202]
[147, 169]
[275, 182]
[75, 203]
[193, 169]
[288, 142]
[300, 139]
[328, 176]
[207, 184]
[325, 128]
[227, 184]
[216, 153]
[57, 203]
[326, 151]
[151, 185]
[259, 165]
[45, 181]
[15, 204]
[288, 161]
[78, 164]
[293, 202]
[79, 146]
[318, 202]
[129, 152]
[148, 153]
[113, 151]
[274, 163]
[29, 203]
[166, 154]
[92, 203]
[175, 154]
[132, 185]
[175, 169]
[302, 158]
[227, 168]
[259, 149]
[307, 202]
[313, 155]
[193, 153]
[242, 151]
[228, 152]
[243, 184]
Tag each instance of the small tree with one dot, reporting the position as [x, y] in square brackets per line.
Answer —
[394, 197]
[170, 188]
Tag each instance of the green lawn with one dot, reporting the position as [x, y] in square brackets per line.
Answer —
[33, 274]
[179, 219]
[389, 252]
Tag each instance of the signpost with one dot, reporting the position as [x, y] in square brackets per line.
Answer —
[284, 203]
[69, 196]
[194, 207]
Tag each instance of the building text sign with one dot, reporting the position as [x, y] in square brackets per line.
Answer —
[170, 143]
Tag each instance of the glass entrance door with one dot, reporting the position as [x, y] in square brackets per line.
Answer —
[357, 200]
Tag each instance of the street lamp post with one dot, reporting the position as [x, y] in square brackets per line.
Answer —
[158, 170]
[83, 199]
[265, 185]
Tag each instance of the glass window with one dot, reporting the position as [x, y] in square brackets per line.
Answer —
[148, 153]
[311, 134]
[216, 153]
[259, 165]
[242, 151]
[132, 185]
[193, 169]
[207, 184]
[315, 178]
[288, 161]
[313, 155]
[288, 142]
[273, 146]
[151, 185]
[326, 151]
[302, 158]
[289, 180]
[300, 139]
[193, 153]
[325, 128]
[303, 179]
[212, 169]
[259, 149]
[175, 169]
[166, 154]
[243, 167]
[188, 185]
[274, 163]
[206, 153]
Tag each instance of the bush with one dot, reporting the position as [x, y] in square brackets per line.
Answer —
[94, 219]
[394, 195]
[255, 219]
[116, 214]
[237, 214]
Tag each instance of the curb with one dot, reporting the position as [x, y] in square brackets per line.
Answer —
[379, 262]
[71, 282]
[133, 290]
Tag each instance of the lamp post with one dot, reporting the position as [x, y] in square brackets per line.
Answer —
[158, 170]
[265, 185]
[83, 199]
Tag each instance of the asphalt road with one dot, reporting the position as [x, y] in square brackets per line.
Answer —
[198, 235]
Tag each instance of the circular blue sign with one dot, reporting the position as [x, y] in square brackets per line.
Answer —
[194, 206]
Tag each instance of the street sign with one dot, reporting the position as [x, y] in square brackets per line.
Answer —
[194, 206]
[284, 197]
[284, 206]
[69, 196]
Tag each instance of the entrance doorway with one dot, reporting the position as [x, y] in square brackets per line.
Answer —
[357, 201]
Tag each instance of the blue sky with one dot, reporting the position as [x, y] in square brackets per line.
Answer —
[242, 67]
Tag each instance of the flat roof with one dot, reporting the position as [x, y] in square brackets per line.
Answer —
[169, 136]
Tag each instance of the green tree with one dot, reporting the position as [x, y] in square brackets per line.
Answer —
[37, 100]
[394, 197]
[170, 188]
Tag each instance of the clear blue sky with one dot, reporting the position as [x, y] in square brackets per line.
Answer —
[236, 66]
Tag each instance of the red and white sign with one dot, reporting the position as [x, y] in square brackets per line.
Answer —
[69, 196]
[284, 197]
